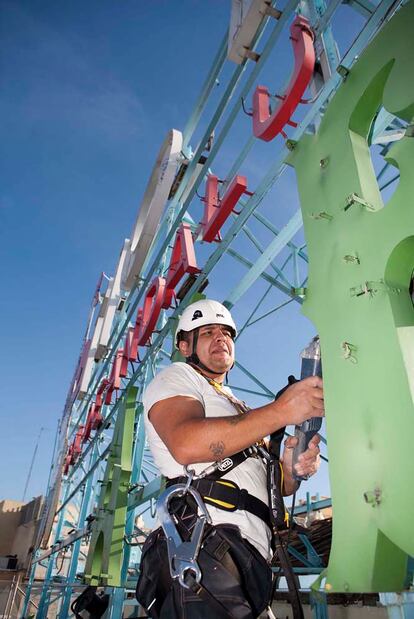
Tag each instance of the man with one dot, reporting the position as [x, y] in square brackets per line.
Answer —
[193, 419]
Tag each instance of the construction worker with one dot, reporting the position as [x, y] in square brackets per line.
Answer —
[192, 419]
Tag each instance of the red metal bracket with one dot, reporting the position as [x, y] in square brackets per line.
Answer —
[130, 349]
[103, 385]
[115, 377]
[133, 350]
[217, 210]
[151, 310]
[76, 447]
[266, 125]
[211, 201]
[96, 419]
[93, 422]
[68, 459]
[183, 260]
[88, 425]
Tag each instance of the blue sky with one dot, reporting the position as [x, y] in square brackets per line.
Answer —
[89, 91]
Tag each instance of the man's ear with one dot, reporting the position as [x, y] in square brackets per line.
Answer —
[184, 348]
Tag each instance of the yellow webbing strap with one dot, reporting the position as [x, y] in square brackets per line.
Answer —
[218, 501]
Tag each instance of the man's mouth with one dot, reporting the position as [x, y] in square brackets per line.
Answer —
[219, 350]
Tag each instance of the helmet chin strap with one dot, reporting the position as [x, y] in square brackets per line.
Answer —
[194, 358]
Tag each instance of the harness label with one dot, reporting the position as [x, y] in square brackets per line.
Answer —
[225, 464]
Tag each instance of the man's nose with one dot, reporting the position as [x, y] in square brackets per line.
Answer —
[218, 334]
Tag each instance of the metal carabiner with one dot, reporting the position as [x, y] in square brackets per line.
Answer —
[190, 477]
[182, 556]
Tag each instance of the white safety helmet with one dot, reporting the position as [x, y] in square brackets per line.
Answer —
[204, 312]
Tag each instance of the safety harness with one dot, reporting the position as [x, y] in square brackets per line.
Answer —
[226, 494]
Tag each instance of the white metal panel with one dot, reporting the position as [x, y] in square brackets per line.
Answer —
[152, 206]
[90, 361]
[111, 301]
[246, 17]
[104, 324]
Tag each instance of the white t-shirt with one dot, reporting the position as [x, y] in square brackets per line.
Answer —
[181, 379]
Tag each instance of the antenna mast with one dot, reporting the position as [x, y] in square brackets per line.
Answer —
[31, 464]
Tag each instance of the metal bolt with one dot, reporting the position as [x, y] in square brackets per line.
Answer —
[354, 198]
[269, 10]
[352, 258]
[349, 352]
[371, 288]
[324, 162]
[251, 55]
[373, 497]
[343, 71]
[299, 292]
[321, 215]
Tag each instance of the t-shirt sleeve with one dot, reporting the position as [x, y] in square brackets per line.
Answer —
[174, 381]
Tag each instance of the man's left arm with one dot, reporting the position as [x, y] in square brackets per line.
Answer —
[307, 464]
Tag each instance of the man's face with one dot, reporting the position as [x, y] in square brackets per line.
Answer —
[215, 347]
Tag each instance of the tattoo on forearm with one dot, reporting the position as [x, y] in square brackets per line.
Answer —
[217, 449]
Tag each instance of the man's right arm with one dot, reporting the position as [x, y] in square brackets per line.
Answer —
[191, 437]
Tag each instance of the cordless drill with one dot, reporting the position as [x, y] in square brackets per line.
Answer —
[311, 366]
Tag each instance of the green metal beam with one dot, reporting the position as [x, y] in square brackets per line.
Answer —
[105, 554]
[361, 259]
